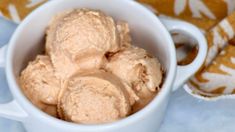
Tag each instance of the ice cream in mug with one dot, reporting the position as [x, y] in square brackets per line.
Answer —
[90, 72]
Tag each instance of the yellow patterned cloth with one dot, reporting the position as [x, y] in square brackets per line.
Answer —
[16, 10]
[216, 19]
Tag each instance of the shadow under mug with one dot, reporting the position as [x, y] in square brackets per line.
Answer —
[147, 31]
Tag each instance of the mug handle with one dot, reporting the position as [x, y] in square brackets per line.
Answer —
[11, 110]
[183, 73]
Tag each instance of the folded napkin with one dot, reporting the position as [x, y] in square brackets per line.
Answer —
[216, 19]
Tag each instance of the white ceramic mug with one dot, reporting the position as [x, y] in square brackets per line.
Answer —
[146, 30]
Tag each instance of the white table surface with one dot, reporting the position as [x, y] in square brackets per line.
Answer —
[185, 113]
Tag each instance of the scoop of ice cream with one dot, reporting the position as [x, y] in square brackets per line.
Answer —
[141, 71]
[75, 33]
[79, 30]
[94, 97]
[40, 85]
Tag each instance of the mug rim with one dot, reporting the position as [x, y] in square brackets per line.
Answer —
[31, 109]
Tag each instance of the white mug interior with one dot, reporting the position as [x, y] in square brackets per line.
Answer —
[146, 31]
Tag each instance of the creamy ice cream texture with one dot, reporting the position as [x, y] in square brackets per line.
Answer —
[91, 73]
[80, 34]
[140, 70]
[40, 85]
[95, 97]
